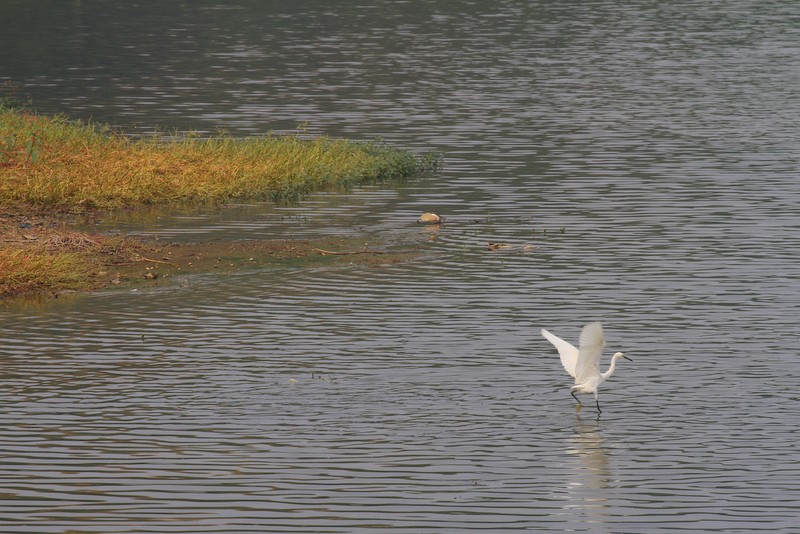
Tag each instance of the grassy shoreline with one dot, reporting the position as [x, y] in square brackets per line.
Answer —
[55, 163]
[50, 260]
[51, 165]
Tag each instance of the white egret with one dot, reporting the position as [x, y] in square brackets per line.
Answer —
[582, 365]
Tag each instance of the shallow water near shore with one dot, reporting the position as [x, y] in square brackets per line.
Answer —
[639, 160]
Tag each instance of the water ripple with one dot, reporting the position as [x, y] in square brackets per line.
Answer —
[641, 162]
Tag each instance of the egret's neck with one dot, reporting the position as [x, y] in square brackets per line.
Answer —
[610, 369]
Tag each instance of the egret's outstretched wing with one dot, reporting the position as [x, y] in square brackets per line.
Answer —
[591, 345]
[567, 351]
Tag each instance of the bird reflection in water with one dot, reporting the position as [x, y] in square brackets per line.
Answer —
[587, 486]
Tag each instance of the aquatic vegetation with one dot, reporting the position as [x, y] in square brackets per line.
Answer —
[51, 164]
[24, 270]
[46, 259]
[61, 164]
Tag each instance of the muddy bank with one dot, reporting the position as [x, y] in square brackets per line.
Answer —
[98, 260]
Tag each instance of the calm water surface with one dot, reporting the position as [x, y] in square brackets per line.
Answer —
[419, 397]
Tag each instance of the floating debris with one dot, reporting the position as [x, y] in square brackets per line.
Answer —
[430, 218]
[324, 378]
[335, 253]
[497, 246]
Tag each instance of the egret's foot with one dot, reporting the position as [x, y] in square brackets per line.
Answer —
[578, 407]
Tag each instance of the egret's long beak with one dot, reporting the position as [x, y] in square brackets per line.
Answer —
[627, 358]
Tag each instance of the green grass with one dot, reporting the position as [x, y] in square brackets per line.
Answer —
[51, 164]
[55, 163]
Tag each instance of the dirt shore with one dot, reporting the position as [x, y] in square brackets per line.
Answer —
[108, 260]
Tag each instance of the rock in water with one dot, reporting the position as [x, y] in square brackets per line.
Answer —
[430, 218]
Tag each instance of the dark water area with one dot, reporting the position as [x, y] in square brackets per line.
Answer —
[640, 158]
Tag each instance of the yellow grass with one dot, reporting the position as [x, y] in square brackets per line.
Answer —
[60, 164]
[51, 164]
[25, 270]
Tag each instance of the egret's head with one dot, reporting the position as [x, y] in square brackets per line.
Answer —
[620, 355]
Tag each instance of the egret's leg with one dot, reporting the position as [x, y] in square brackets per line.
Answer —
[598, 405]
[576, 399]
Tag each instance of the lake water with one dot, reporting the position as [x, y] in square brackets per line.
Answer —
[648, 151]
